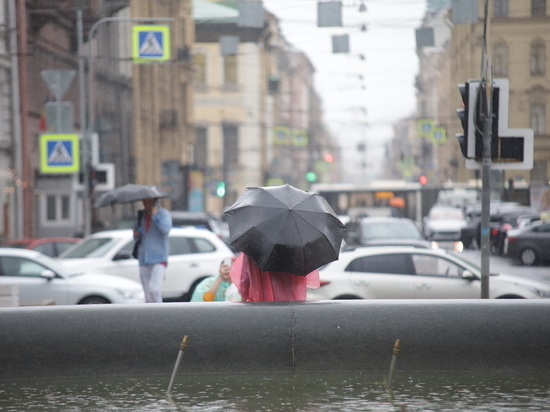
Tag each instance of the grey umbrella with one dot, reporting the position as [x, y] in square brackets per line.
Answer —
[128, 194]
[284, 229]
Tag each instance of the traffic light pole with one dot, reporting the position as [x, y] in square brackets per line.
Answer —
[486, 191]
[486, 93]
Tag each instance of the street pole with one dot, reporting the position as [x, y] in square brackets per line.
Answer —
[486, 93]
[82, 113]
[486, 195]
[90, 129]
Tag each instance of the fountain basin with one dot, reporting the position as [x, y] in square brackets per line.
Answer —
[274, 337]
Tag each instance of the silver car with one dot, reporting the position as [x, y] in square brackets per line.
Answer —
[415, 273]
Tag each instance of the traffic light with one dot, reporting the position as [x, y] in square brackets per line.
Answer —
[311, 177]
[423, 180]
[220, 189]
[329, 158]
[467, 140]
[511, 149]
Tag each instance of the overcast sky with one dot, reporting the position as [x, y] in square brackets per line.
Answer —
[361, 97]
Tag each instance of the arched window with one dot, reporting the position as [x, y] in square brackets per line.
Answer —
[199, 65]
[500, 62]
[538, 118]
[538, 7]
[537, 61]
[501, 8]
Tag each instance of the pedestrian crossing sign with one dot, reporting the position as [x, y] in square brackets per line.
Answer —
[150, 43]
[59, 153]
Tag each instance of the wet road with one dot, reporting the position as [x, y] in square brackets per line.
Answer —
[499, 264]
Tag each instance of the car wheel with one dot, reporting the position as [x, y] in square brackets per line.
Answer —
[93, 300]
[528, 257]
[346, 297]
[511, 297]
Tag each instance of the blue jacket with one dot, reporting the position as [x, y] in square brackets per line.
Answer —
[154, 246]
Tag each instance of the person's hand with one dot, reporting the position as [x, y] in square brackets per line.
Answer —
[154, 209]
[136, 233]
[225, 271]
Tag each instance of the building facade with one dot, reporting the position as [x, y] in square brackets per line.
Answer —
[518, 34]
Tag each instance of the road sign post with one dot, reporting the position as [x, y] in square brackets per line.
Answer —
[87, 213]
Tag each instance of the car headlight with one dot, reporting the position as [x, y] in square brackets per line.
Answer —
[132, 294]
[543, 293]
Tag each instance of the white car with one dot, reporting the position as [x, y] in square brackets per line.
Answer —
[194, 255]
[40, 279]
[444, 223]
[415, 273]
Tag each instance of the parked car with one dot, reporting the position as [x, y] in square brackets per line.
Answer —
[444, 223]
[379, 231]
[500, 223]
[530, 244]
[49, 246]
[470, 234]
[40, 278]
[414, 273]
[194, 255]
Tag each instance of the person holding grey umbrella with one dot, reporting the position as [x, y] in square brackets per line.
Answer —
[151, 236]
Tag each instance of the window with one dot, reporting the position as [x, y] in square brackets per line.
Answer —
[93, 248]
[63, 246]
[57, 209]
[537, 61]
[46, 249]
[500, 60]
[199, 66]
[65, 207]
[200, 151]
[538, 7]
[397, 264]
[501, 8]
[538, 118]
[230, 147]
[203, 245]
[539, 172]
[51, 208]
[426, 265]
[230, 70]
[127, 249]
[179, 245]
[15, 266]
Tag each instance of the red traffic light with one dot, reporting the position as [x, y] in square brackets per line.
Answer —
[329, 158]
[423, 180]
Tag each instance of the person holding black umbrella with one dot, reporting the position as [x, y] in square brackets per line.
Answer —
[151, 236]
[284, 234]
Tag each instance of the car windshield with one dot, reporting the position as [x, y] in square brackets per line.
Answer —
[90, 248]
[390, 230]
[446, 214]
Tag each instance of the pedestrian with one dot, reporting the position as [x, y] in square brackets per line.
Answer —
[255, 285]
[214, 288]
[151, 236]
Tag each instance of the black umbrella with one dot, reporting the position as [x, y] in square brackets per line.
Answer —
[285, 229]
[128, 194]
